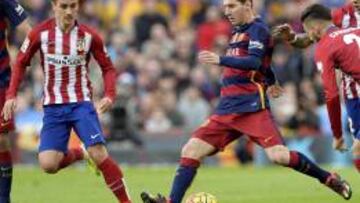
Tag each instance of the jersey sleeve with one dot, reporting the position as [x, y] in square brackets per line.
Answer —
[99, 52]
[259, 39]
[14, 12]
[337, 15]
[29, 47]
[326, 65]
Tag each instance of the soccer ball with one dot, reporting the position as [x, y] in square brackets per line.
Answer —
[201, 197]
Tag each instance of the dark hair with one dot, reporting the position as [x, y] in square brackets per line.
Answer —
[316, 11]
[243, 1]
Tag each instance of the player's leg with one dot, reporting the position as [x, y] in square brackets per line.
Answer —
[209, 138]
[54, 137]
[281, 155]
[262, 129]
[87, 127]
[353, 110]
[5, 169]
[191, 156]
[6, 165]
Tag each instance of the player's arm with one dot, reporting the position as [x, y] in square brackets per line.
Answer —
[285, 32]
[326, 66]
[108, 73]
[16, 15]
[256, 51]
[29, 47]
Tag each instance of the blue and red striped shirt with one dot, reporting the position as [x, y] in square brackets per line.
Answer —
[13, 14]
[247, 70]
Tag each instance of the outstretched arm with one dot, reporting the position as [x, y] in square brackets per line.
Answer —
[285, 32]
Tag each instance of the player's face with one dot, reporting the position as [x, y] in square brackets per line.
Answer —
[66, 11]
[356, 4]
[237, 11]
[312, 30]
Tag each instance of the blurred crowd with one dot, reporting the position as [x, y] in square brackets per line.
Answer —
[161, 86]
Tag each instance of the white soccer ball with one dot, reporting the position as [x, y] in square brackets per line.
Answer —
[201, 197]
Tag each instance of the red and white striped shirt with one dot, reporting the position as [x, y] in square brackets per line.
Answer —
[346, 17]
[64, 59]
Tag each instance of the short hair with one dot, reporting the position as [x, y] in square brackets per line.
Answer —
[316, 11]
[243, 1]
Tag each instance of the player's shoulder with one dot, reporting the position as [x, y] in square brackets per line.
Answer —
[341, 11]
[44, 25]
[88, 29]
[260, 26]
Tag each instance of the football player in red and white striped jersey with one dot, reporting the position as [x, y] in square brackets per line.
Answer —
[65, 47]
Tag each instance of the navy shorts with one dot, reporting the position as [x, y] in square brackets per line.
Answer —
[60, 119]
[353, 110]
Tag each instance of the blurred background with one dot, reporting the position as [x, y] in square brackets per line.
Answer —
[164, 93]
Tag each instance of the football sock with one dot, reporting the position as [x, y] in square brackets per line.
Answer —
[356, 162]
[5, 176]
[183, 178]
[114, 179]
[73, 155]
[302, 164]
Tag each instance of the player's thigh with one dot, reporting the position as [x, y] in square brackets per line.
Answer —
[87, 125]
[55, 133]
[213, 136]
[262, 129]
[50, 159]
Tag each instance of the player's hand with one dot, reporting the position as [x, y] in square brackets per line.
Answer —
[104, 105]
[339, 144]
[208, 57]
[275, 91]
[8, 109]
[283, 31]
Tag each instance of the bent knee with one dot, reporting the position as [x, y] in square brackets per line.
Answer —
[49, 167]
[98, 153]
[279, 155]
[196, 149]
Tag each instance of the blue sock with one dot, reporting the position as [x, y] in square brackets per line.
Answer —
[302, 164]
[5, 176]
[183, 179]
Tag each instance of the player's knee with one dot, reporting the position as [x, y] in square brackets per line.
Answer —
[195, 150]
[98, 153]
[49, 167]
[279, 156]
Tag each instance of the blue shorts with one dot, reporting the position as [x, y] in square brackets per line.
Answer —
[60, 119]
[353, 110]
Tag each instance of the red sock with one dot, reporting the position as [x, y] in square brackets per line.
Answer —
[73, 155]
[357, 164]
[114, 179]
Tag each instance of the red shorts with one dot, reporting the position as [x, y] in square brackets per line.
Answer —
[220, 130]
[5, 126]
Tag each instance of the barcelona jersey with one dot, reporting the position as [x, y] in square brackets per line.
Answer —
[243, 89]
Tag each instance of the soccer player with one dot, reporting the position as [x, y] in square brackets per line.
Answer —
[66, 47]
[12, 14]
[243, 108]
[345, 17]
[336, 48]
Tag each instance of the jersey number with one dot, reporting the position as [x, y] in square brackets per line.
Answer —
[350, 38]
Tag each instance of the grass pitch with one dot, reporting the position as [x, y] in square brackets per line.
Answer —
[229, 185]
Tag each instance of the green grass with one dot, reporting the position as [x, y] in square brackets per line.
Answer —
[229, 185]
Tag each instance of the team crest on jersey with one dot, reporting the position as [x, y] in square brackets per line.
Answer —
[80, 45]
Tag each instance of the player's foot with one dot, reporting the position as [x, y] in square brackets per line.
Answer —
[148, 198]
[90, 163]
[339, 186]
